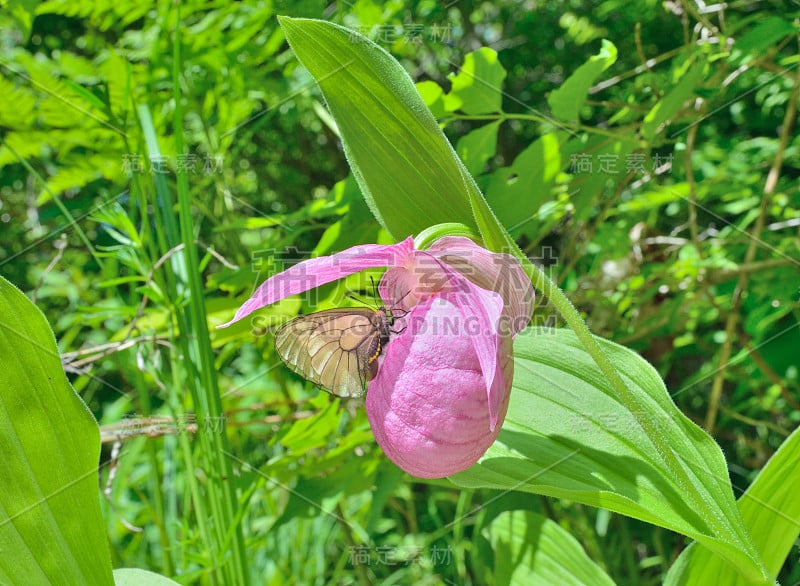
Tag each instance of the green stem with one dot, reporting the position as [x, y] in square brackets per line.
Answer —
[200, 362]
[168, 238]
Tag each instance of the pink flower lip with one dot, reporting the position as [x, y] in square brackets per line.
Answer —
[428, 406]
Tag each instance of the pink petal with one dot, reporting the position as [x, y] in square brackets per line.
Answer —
[494, 271]
[314, 272]
[398, 289]
[428, 406]
[484, 308]
[422, 276]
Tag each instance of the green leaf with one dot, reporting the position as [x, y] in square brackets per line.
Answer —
[51, 530]
[312, 496]
[408, 172]
[116, 72]
[356, 226]
[568, 435]
[771, 511]
[137, 577]
[566, 102]
[669, 105]
[755, 41]
[476, 87]
[495, 237]
[658, 196]
[478, 146]
[433, 96]
[22, 12]
[531, 549]
[516, 192]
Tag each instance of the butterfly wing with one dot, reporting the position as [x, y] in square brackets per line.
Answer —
[335, 349]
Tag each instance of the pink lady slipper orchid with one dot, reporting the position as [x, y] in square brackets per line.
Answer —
[442, 387]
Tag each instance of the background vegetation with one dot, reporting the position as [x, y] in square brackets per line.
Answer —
[673, 229]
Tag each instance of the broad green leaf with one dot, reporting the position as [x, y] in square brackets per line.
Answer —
[476, 88]
[566, 102]
[517, 191]
[477, 147]
[755, 41]
[137, 577]
[771, 511]
[568, 435]
[669, 105]
[51, 531]
[531, 549]
[408, 172]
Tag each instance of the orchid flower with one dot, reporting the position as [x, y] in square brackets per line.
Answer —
[442, 387]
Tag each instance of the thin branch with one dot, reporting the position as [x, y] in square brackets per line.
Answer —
[751, 267]
[154, 427]
[60, 245]
[690, 140]
[73, 361]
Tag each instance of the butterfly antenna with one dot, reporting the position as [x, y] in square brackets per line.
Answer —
[375, 293]
[362, 300]
[352, 295]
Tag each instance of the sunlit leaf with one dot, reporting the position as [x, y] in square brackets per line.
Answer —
[567, 435]
[51, 531]
[771, 512]
[478, 146]
[433, 96]
[406, 169]
[476, 88]
[531, 549]
[517, 191]
[137, 577]
[762, 36]
[566, 102]
[669, 105]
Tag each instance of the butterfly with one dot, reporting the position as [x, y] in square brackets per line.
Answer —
[336, 349]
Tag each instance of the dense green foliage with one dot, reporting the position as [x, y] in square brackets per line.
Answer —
[156, 165]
